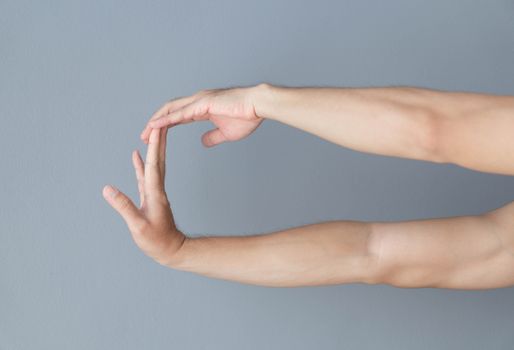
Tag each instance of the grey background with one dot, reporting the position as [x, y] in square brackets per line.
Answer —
[78, 80]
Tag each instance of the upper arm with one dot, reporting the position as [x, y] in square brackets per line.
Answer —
[472, 252]
[476, 131]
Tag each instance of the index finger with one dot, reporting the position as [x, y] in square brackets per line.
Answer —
[167, 108]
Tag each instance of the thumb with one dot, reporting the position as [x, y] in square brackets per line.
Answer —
[122, 204]
[213, 137]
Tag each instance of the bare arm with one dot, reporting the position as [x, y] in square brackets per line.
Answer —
[469, 252]
[463, 252]
[473, 252]
[320, 254]
[468, 129]
[472, 130]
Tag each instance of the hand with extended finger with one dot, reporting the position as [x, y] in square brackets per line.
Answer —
[232, 111]
[151, 225]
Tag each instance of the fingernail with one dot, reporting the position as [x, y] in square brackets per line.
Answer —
[109, 191]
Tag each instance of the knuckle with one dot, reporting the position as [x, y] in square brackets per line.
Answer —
[123, 202]
[158, 196]
[168, 107]
[177, 115]
[153, 166]
[160, 111]
[202, 106]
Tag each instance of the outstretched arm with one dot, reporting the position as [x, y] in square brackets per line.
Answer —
[462, 252]
[468, 129]
[475, 252]
[471, 130]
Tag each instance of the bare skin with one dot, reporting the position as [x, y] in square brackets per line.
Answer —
[468, 252]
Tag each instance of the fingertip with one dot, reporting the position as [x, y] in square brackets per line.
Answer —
[213, 137]
[109, 192]
[206, 140]
[145, 133]
[154, 135]
[136, 159]
[206, 143]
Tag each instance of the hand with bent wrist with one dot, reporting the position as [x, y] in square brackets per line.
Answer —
[232, 111]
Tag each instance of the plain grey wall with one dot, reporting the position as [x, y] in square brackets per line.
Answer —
[78, 80]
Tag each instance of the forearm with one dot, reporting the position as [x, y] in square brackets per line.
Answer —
[320, 254]
[472, 130]
[386, 121]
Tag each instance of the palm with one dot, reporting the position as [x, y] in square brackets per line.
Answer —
[234, 128]
[151, 225]
[162, 235]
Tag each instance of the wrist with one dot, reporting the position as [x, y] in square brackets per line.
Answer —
[175, 256]
[265, 97]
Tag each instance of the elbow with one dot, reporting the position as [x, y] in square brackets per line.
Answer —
[412, 278]
[404, 275]
[430, 136]
[386, 268]
[375, 269]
